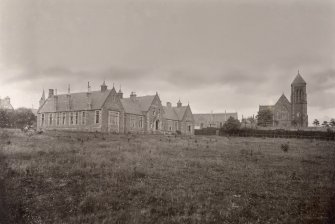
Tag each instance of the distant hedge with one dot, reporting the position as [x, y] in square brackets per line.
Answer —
[279, 133]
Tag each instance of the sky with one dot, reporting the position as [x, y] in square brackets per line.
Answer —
[228, 55]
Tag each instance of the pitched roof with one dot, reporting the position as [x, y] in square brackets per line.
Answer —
[138, 104]
[180, 111]
[213, 117]
[131, 107]
[266, 107]
[283, 99]
[298, 79]
[170, 113]
[145, 101]
[78, 101]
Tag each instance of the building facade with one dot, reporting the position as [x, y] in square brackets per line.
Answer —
[179, 118]
[214, 120]
[108, 111]
[294, 113]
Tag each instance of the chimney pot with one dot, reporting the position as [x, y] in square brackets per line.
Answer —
[132, 95]
[51, 92]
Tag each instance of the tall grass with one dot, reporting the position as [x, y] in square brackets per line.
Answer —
[60, 177]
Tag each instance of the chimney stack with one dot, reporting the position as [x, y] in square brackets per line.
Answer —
[168, 104]
[133, 96]
[120, 93]
[103, 87]
[179, 104]
[51, 93]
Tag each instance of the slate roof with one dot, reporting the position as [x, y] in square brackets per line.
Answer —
[170, 113]
[78, 101]
[180, 111]
[283, 99]
[298, 80]
[131, 107]
[137, 105]
[266, 107]
[215, 117]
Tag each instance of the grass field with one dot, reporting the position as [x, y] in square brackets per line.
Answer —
[92, 178]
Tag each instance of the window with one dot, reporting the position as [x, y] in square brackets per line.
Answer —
[76, 117]
[153, 112]
[58, 118]
[189, 128]
[42, 119]
[83, 117]
[176, 125]
[113, 118]
[97, 116]
[63, 118]
[71, 118]
[132, 120]
[50, 119]
[141, 122]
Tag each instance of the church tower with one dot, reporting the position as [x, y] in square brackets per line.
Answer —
[299, 102]
[42, 98]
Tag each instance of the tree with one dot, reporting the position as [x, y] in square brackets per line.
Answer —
[251, 120]
[264, 118]
[231, 125]
[22, 117]
[325, 124]
[4, 119]
[316, 122]
[332, 122]
[18, 118]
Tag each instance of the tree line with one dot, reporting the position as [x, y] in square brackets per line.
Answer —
[18, 118]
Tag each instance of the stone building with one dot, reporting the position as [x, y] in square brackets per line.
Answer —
[5, 104]
[108, 111]
[179, 118]
[215, 120]
[294, 113]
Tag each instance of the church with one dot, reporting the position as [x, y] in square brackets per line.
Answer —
[107, 110]
[294, 113]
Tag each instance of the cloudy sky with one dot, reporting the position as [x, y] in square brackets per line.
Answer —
[217, 55]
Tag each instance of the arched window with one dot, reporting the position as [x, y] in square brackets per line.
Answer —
[296, 96]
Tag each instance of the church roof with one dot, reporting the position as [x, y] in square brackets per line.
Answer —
[283, 100]
[298, 79]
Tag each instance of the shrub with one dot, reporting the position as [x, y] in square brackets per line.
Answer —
[231, 126]
[285, 147]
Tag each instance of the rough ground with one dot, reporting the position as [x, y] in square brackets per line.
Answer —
[92, 178]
